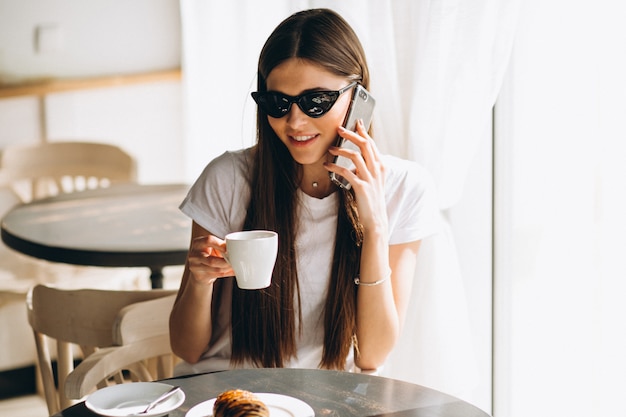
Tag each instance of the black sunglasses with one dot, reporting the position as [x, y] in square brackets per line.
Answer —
[314, 104]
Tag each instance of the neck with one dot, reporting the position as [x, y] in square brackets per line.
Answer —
[315, 180]
[318, 189]
[317, 185]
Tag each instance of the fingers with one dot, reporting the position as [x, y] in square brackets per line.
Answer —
[366, 160]
[206, 260]
[210, 245]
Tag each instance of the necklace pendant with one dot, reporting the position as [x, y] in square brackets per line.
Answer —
[315, 184]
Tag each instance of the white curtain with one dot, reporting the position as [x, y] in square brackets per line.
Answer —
[561, 156]
[436, 70]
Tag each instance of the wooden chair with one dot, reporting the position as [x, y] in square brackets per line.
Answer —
[48, 168]
[116, 331]
[38, 170]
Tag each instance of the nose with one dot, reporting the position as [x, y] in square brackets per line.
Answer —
[296, 116]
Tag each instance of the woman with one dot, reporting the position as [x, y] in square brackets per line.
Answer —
[315, 313]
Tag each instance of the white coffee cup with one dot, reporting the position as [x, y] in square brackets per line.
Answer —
[252, 254]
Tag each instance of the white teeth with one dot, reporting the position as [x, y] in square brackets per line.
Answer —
[302, 138]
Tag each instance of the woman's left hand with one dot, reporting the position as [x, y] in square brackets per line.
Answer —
[368, 180]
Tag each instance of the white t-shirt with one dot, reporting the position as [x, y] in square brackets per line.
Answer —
[218, 201]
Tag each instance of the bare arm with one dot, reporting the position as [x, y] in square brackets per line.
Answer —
[190, 320]
[381, 308]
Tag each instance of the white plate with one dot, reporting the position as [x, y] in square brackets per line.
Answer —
[279, 405]
[131, 398]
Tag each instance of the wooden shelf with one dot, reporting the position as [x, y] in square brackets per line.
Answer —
[44, 87]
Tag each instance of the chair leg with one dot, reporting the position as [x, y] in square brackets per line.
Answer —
[65, 365]
[44, 365]
[38, 382]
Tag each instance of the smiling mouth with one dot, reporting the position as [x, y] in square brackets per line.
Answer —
[305, 138]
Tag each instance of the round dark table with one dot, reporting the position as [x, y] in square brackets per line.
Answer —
[329, 393]
[127, 225]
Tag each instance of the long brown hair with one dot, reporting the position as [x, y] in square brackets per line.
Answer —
[264, 322]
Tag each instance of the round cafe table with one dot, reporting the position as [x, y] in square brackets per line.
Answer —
[125, 225]
[329, 393]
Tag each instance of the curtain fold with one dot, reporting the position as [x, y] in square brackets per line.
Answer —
[221, 45]
[436, 70]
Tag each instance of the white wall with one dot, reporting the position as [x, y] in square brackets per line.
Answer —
[96, 38]
[143, 119]
[87, 38]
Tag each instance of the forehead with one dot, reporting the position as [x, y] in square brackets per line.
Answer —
[296, 75]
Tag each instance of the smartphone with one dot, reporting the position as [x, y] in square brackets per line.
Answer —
[361, 107]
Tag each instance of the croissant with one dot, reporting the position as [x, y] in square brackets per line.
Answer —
[239, 403]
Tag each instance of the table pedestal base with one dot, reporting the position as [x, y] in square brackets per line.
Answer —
[156, 277]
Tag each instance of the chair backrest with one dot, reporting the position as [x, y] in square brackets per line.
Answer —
[92, 320]
[140, 331]
[48, 168]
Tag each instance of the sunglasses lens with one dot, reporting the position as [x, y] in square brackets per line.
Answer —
[272, 103]
[314, 104]
[318, 103]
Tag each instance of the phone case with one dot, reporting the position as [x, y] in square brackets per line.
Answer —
[361, 107]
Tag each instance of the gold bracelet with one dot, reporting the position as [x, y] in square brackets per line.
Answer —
[357, 281]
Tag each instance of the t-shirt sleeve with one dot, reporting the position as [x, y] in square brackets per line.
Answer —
[412, 207]
[218, 199]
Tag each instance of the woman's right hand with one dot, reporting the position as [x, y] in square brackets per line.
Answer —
[190, 320]
[206, 261]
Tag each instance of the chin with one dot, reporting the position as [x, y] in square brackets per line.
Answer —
[309, 159]
[303, 157]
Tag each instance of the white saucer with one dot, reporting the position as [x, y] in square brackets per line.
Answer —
[131, 398]
[279, 405]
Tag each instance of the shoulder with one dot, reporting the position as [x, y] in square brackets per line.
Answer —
[235, 162]
[218, 197]
[231, 170]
